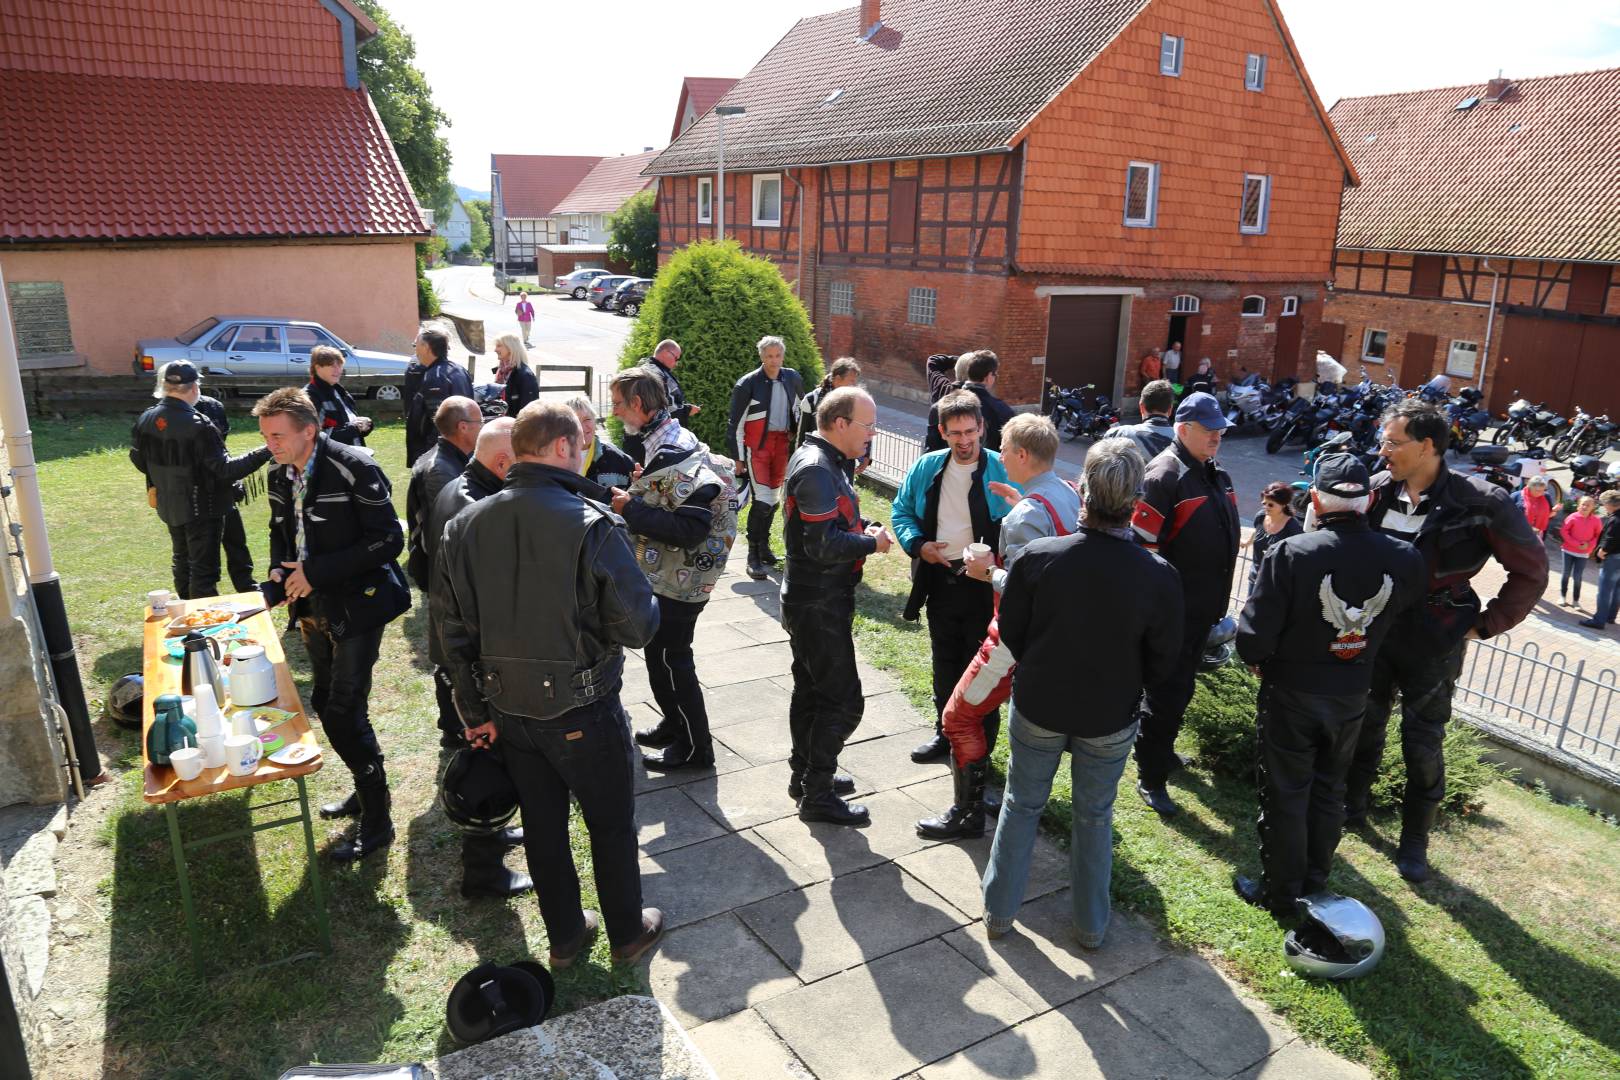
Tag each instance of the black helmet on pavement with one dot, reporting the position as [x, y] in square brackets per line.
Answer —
[476, 792]
[124, 701]
[492, 1000]
[1340, 938]
[1218, 648]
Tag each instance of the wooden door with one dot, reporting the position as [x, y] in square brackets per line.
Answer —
[1082, 341]
[1330, 339]
[1285, 362]
[1537, 360]
[1417, 366]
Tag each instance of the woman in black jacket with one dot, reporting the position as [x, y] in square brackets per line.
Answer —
[333, 404]
[522, 384]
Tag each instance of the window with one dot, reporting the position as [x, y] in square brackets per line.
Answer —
[39, 315]
[705, 200]
[843, 298]
[1254, 307]
[903, 211]
[1256, 203]
[1254, 72]
[1428, 275]
[1170, 55]
[1463, 359]
[257, 337]
[768, 199]
[1141, 194]
[1185, 304]
[1290, 306]
[301, 339]
[1373, 344]
[920, 306]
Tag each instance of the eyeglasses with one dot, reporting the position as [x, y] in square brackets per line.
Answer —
[872, 427]
[1387, 443]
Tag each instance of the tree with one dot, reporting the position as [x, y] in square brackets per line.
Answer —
[404, 102]
[633, 234]
[718, 302]
[487, 248]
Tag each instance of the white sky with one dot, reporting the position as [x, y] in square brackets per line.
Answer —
[602, 76]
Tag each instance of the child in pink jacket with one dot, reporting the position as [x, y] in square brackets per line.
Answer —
[1580, 534]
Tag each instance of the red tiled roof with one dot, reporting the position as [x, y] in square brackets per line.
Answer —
[941, 77]
[1535, 175]
[85, 158]
[531, 184]
[607, 186]
[702, 94]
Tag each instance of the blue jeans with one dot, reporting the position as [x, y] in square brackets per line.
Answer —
[1608, 597]
[1574, 568]
[1095, 766]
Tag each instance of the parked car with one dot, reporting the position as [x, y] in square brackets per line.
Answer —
[628, 298]
[578, 283]
[602, 289]
[254, 354]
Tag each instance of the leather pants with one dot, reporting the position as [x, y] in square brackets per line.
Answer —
[827, 704]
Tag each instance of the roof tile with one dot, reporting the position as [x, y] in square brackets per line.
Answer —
[609, 184]
[531, 184]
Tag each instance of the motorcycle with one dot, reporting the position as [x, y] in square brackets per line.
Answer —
[1073, 417]
[1587, 434]
[1493, 464]
[1591, 475]
[1468, 420]
[1297, 422]
[1529, 424]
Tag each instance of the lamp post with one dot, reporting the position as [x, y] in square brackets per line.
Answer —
[721, 112]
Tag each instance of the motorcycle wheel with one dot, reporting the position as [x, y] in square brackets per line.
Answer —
[1503, 435]
[1466, 441]
[1069, 427]
[1556, 490]
[1278, 437]
[1562, 448]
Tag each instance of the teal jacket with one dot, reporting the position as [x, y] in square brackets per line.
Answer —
[916, 508]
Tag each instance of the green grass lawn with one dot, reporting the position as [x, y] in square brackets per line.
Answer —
[1505, 964]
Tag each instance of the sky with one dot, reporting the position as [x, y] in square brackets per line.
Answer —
[603, 78]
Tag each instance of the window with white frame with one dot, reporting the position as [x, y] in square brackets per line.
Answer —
[1254, 307]
[705, 196]
[921, 305]
[1141, 194]
[1373, 345]
[1254, 72]
[1256, 203]
[1185, 304]
[1462, 359]
[1170, 49]
[842, 299]
[768, 199]
[1290, 305]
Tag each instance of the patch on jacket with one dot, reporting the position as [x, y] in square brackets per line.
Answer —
[1352, 623]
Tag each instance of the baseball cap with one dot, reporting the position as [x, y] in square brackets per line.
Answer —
[179, 373]
[1201, 408]
[1342, 475]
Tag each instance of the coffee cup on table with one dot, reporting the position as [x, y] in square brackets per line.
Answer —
[242, 754]
[187, 762]
[158, 601]
[213, 750]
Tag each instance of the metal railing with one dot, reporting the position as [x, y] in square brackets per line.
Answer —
[893, 454]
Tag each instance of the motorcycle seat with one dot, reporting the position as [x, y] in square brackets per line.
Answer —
[1490, 455]
[1586, 465]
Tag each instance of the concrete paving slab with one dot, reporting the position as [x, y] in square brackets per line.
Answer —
[747, 797]
[761, 741]
[718, 639]
[764, 630]
[745, 664]
[734, 583]
[832, 850]
[1300, 1059]
[886, 763]
[1199, 1012]
[893, 1015]
[635, 687]
[667, 819]
[1086, 1040]
[890, 713]
[741, 608]
[851, 920]
[692, 883]
[956, 871]
[653, 780]
[938, 793]
[715, 968]
[738, 703]
[1040, 960]
[743, 1047]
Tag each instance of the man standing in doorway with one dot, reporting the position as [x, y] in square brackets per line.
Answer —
[759, 437]
[1172, 362]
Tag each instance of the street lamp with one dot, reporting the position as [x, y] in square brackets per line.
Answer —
[721, 112]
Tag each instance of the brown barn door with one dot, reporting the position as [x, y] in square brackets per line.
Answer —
[1331, 341]
[1082, 341]
[1417, 367]
[1537, 361]
[1290, 329]
[1597, 371]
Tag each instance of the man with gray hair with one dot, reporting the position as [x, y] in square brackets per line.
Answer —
[759, 438]
[1097, 613]
[1320, 609]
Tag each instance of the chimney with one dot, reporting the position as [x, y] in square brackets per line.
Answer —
[1498, 88]
[871, 15]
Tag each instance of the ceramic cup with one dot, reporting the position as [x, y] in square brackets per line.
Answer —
[213, 750]
[158, 600]
[242, 754]
[187, 762]
[978, 551]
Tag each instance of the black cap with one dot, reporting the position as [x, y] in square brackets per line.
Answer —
[179, 373]
[1343, 475]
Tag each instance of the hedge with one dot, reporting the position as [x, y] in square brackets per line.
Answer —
[718, 301]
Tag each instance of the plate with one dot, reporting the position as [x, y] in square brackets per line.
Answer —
[298, 753]
[200, 619]
[230, 636]
[266, 715]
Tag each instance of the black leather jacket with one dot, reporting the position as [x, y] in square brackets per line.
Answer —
[183, 456]
[430, 475]
[522, 387]
[679, 407]
[822, 526]
[995, 411]
[335, 407]
[474, 485]
[424, 394]
[1187, 512]
[535, 597]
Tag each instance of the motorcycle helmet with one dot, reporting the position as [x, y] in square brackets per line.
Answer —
[124, 701]
[1218, 647]
[1340, 938]
[492, 1000]
[476, 793]
[1613, 472]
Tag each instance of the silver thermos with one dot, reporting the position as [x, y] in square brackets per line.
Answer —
[200, 666]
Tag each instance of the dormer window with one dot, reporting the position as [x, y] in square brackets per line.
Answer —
[1170, 47]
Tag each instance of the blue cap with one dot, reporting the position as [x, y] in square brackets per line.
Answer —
[1201, 408]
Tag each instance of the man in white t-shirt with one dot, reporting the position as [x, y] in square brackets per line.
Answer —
[944, 505]
[1172, 362]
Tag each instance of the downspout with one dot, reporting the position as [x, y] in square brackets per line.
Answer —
[799, 281]
[1490, 323]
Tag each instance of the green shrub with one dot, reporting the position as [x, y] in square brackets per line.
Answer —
[1221, 719]
[718, 302]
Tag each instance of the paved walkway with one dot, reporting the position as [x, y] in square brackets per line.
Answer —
[858, 954]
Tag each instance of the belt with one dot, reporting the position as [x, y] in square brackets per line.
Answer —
[598, 681]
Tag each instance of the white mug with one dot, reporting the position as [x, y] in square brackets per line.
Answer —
[213, 750]
[187, 762]
[158, 600]
[242, 754]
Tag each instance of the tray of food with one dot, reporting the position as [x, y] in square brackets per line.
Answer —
[231, 636]
[201, 619]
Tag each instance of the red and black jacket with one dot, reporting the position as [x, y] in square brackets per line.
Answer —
[751, 409]
[1188, 513]
[822, 527]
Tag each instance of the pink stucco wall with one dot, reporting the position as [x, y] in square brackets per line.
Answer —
[363, 292]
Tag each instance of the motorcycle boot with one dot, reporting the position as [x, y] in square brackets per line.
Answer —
[376, 828]
[965, 818]
[1412, 855]
[349, 807]
[483, 871]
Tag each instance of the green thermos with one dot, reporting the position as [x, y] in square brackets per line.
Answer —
[171, 729]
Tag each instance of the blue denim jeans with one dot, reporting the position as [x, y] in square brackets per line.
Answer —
[1608, 597]
[1095, 766]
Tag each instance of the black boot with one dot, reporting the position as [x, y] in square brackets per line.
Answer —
[349, 807]
[376, 828]
[842, 784]
[766, 555]
[935, 748]
[823, 805]
[657, 737]
[483, 873]
[965, 818]
[1412, 856]
[992, 732]
[756, 562]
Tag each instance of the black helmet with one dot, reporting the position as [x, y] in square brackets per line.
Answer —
[475, 791]
[1218, 646]
[124, 701]
[1340, 938]
[491, 1000]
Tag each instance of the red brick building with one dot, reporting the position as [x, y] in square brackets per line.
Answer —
[1070, 184]
[1483, 239]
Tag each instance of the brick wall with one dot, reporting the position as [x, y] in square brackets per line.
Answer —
[1402, 316]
